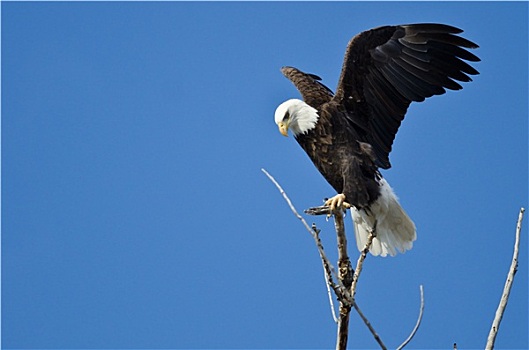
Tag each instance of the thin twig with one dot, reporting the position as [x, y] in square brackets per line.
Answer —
[507, 288]
[345, 271]
[368, 324]
[321, 210]
[412, 334]
[329, 295]
[327, 274]
[310, 229]
[361, 258]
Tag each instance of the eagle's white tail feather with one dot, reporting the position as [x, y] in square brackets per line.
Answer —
[394, 229]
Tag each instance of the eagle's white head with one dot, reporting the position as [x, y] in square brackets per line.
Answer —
[297, 116]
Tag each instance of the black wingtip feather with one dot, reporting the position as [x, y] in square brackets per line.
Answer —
[391, 66]
[432, 28]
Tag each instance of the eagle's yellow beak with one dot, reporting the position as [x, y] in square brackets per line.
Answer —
[283, 128]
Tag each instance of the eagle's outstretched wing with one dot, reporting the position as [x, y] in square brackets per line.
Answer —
[313, 92]
[387, 68]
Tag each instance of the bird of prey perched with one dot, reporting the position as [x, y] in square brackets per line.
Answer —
[348, 135]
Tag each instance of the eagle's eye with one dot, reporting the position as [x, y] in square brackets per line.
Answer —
[287, 115]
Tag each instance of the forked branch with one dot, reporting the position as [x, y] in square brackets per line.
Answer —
[347, 280]
[345, 288]
[345, 275]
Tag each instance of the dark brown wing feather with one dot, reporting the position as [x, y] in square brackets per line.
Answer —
[313, 92]
[387, 68]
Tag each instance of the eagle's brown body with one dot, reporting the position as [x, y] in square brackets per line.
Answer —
[349, 167]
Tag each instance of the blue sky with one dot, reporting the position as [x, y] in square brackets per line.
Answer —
[135, 214]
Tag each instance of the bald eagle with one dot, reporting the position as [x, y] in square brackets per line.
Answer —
[348, 135]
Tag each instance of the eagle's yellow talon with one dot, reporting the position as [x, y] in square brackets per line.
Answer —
[337, 201]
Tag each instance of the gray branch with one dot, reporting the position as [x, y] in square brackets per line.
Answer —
[370, 327]
[314, 232]
[507, 288]
[361, 259]
[346, 278]
[345, 275]
[412, 334]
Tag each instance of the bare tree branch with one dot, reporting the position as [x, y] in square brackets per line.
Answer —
[329, 295]
[327, 273]
[361, 258]
[342, 242]
[342, 247]
[368, 324]
[412, 334]
[345, 270]
[507, 288]
[345, 288]
[314, 232]
[345, 275]
[343, 326]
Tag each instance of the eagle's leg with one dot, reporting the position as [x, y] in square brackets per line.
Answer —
[337, 201]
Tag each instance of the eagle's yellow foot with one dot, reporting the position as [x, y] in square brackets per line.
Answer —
[337, 201]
